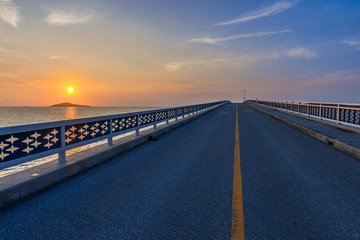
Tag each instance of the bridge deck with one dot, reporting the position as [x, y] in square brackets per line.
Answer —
[181, 187]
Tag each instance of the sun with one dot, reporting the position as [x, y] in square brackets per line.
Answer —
[70, 90]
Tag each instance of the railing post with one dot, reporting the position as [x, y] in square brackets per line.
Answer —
[307, 111]
[155, 120]
[137, 131]
[110, 139]
[338, 114]
[62, 154]
[167, 117]
[320, 113]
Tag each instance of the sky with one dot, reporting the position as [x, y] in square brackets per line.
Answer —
[170, 53]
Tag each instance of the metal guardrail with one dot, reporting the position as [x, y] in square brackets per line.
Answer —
[24, 143]
[339, 113]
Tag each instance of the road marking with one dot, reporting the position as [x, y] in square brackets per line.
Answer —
[224, 113]
[237, 225]
[248, 110]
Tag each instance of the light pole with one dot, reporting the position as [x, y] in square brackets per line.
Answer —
[244, 91]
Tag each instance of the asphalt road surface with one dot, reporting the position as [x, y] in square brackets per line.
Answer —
[181, 187]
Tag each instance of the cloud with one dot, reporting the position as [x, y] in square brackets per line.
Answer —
[301, 53]
[7, 75]
[335, 79]
[61, 18]
[56, 57]
[174, 66]
[8, 53]
[209, 40]
[242, 61]
[11, 79]
[9, 12]
[352, 43]
[11, 55]
[229, 61]
[239, 61]
[274, 9]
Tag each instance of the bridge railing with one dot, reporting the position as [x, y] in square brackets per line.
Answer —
[339, 113]
[24, 143]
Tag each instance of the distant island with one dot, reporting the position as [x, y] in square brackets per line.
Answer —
[66, 104]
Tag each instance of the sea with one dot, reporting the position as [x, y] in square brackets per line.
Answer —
[11, 116]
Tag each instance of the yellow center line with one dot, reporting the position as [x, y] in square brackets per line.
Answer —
[237, 225]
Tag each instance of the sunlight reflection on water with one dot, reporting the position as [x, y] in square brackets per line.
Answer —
[71, 113]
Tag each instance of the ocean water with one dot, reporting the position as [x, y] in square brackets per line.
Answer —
[10, 116]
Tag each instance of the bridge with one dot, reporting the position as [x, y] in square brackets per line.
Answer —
[254, 170]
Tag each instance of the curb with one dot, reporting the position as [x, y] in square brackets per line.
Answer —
[27, 188]
[343, 147]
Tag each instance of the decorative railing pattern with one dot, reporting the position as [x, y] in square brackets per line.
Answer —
[336, 112]
[86, 131]
[124, 123]
[27, 142]
[22, 144]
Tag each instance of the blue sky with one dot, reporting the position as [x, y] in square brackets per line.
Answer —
[177, 52]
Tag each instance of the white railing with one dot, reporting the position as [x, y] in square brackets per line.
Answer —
[24, 143]
[339, 113]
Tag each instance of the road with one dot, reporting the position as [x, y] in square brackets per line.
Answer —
[181, 187]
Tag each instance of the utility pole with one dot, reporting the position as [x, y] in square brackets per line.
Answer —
[244, 91]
